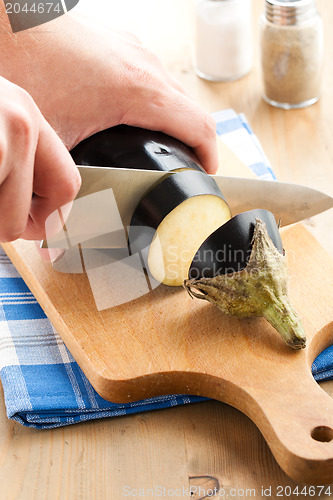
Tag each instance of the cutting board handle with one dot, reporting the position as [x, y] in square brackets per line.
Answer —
[295, 416]
[298, 428]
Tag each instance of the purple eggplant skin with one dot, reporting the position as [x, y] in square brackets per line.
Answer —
[162, 199]
[124, 146]
[228, 249]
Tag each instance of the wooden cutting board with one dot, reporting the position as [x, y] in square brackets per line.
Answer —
[166, 343]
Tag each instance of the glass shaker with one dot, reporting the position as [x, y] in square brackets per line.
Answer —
[223, 43]
[291, 53]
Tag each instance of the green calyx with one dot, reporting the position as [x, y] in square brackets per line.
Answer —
[261, 289]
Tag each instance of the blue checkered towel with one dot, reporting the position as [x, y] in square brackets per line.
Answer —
[43, 385]
[235, 131]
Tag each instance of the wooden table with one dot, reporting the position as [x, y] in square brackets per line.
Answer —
[208, 445]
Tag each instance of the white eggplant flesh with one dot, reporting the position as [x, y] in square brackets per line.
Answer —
[180, 235]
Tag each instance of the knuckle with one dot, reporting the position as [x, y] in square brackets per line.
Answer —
[140, 77]
[21, 114]
[143, 70]
[21, 123]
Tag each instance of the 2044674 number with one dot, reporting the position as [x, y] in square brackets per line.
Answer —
[306, 491]
[35, 8]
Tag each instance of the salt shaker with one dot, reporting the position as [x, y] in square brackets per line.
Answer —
[291, 53]
[223, 44]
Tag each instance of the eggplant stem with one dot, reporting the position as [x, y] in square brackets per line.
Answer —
[286, 321]
[258, 290]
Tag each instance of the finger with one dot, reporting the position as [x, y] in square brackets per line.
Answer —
[16, 184]
[56, 180]
[191, 124]
[179, 116]
[15, 197]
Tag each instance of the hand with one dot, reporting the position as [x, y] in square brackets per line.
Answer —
[37, 174]
[85, 79]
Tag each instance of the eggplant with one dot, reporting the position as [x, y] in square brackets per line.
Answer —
[184, 232]
[132, 147]
[228, 249]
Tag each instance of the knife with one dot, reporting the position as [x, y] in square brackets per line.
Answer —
[108, 197]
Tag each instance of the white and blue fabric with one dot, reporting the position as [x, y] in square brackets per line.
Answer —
[43, 385]
[237, 134]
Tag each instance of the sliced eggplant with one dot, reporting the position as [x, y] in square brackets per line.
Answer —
[174, 218]
[184, 235]
[228, 249]
[132, 147]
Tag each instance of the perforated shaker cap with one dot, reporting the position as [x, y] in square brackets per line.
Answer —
[290, 12]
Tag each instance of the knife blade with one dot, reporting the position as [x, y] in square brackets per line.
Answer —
[108, 197]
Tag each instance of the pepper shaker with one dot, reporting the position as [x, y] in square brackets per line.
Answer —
[291, 53]
[223, 44]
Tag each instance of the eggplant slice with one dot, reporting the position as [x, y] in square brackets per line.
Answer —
[173, 220]
[228, 249]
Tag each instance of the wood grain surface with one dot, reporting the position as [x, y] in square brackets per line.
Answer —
[164, 343]
[208, 443]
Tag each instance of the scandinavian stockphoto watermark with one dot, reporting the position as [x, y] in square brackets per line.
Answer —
[192, 491]
[91, 232]
[199, 492]
[25, 14]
